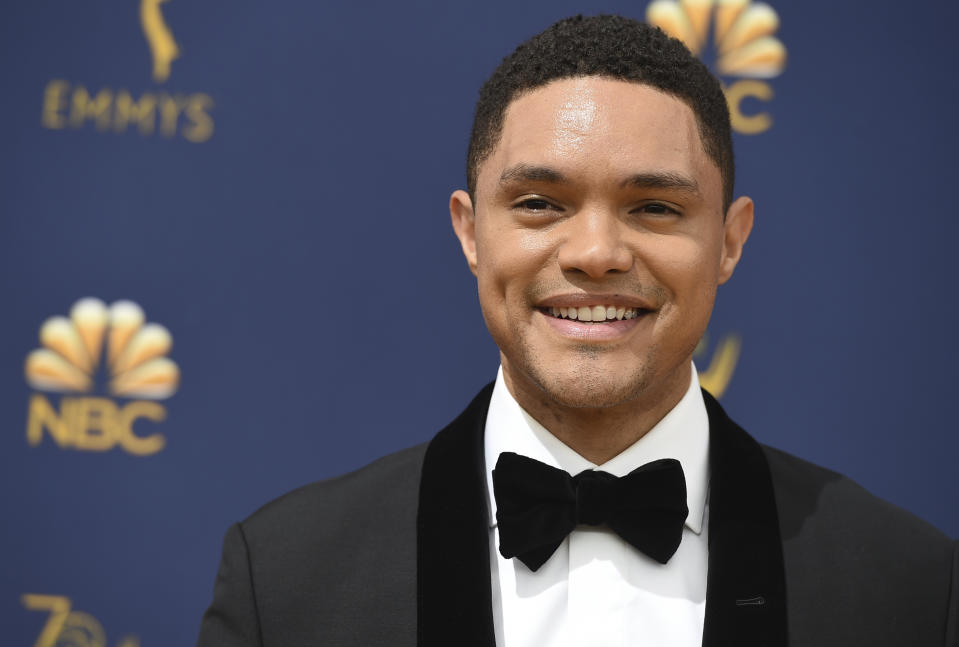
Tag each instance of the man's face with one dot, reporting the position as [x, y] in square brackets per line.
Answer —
[598, 241]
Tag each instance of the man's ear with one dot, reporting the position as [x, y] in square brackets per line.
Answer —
[464, 224]
[738, 224]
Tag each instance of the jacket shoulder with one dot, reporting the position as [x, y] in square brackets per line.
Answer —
[849, 554]
[329, 557]
[386, 482]
[810, 496]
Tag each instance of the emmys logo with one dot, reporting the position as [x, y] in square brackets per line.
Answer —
[162, 46]
[744, 47]
[67, 628]
[70, 105]
[133, 358]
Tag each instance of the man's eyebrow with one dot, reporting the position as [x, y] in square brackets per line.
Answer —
[650, 180]
[531, 173]
[663, 180]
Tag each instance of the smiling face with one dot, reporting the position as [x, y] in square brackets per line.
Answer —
[598, 241]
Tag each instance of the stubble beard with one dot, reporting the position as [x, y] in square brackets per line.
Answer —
[584, 385]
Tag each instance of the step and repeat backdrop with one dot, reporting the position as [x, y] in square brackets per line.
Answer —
[226, 266]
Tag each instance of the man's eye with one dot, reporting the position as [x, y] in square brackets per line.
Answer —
[534, 204]
[657, 209]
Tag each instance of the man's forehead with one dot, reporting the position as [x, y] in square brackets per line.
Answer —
[598, 120]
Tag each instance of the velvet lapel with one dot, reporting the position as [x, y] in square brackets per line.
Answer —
[746, 586]
[746, 589]
[453, 574]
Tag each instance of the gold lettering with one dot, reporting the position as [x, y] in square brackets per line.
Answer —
[85, 107]
[42, 415]
[59, 608]
[170, 109]
[142, 113]
[140, 445]
[743, 123]
[201, 128]
[54, 101]
[69, 408]
[73, 105]
[96, 424]
[82, 629]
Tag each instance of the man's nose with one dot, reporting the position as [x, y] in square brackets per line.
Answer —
[594, 244]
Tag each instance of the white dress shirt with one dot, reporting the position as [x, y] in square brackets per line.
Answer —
[596, 590]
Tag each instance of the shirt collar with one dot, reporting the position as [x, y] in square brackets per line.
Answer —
[683, 434]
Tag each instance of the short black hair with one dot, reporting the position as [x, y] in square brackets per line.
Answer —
[613, 47]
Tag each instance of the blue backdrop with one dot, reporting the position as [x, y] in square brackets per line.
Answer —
[263, 188]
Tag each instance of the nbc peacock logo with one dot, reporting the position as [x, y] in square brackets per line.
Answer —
[744, 47]
[100, 348]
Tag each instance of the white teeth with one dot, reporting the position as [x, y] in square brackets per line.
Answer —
[594, 313]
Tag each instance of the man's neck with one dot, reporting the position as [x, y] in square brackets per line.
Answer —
[599, 434]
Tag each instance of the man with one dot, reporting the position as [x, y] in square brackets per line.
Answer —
[599, 220]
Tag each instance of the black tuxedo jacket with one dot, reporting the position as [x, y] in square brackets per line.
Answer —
[397, 554]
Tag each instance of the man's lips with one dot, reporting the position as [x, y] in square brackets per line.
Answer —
[590, 308]
[593, 314]
[577, 299]
[587, 317]
[607, 330]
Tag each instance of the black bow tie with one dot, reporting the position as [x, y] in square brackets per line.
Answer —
[537, 506]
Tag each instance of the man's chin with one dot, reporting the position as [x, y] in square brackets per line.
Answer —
[591, 392]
